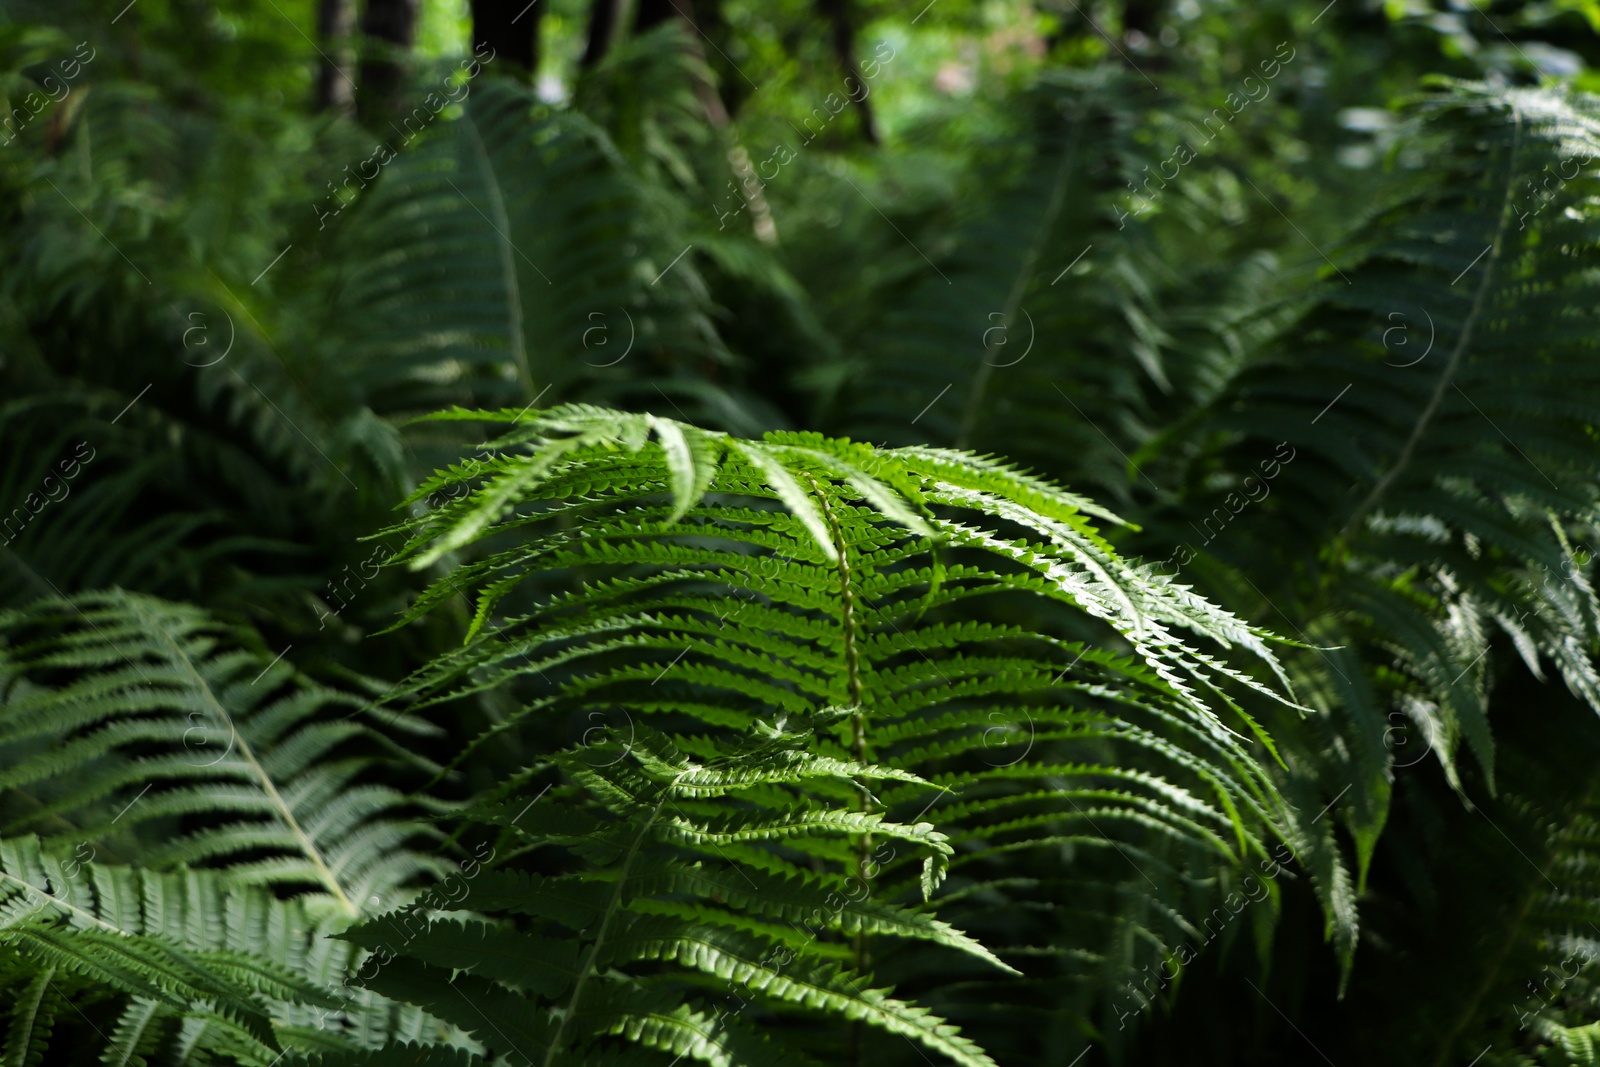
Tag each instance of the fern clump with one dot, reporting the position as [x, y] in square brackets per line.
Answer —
[187, 958]
[966, 623]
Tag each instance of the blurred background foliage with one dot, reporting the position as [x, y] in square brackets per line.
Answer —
[246, 242]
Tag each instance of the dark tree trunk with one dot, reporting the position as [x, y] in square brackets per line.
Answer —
[606, 19]
[390, 27]
[731, 83]
[334, 90]
[1143, 16]
[511, 29]
[837, 12]
[653, 13]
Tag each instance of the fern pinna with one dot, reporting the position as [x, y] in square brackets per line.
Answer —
[967, 624]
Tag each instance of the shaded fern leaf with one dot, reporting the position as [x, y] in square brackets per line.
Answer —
[125, 717]
[1440, 498]
[665, 922]
[481, 268]
[180, 949]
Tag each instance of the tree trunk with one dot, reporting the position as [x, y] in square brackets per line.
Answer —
[653, 13]
[334, 91]
[837, 12]
[607, 20]
[1143, 16]
[511, 28]
[390, 28]
[604, 31]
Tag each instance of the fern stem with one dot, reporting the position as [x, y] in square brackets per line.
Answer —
[858, 724]
[90, 916]
[847, 628]
[1457, 354]
[605, 924]
[501, 221]
[847, 613]
[1019, 284]
[309, 847]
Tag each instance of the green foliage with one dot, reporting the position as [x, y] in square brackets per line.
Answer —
[789, 747]
[201, 960]
[1500, 902]
[97, 682]
[731, 585]
[676, 913]
[182, 782]
[1438, 492]
[451, 264]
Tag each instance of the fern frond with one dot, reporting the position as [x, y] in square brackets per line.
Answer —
[181, 716]
[180, 948]
[665, 910]
[869, 593]
[1405, 440]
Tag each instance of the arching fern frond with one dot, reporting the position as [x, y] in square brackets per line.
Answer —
[1441, 491]
[187, 948]
[131, 719]
[968, 622]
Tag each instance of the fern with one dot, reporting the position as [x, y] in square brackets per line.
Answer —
[159, 696]
[504, 218]
[1519, 985]
[923, 705]
[191, 949]
[983, 333]
[177, 966]
[691, 886]
[1438, 495]
[215, 469]
[132, 727]
[728, 584]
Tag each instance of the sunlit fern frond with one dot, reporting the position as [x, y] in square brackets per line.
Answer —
[717, 584]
